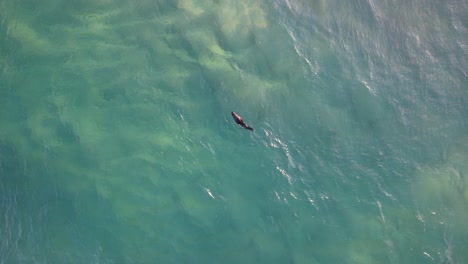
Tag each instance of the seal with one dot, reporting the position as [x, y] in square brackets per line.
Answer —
[240, 121]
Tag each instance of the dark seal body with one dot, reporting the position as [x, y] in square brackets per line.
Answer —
[240, 121]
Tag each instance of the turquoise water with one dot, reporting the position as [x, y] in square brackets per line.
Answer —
[117, 144]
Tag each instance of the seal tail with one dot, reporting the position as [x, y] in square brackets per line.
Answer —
[249, 128]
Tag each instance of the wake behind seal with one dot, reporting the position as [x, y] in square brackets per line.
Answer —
[240, 121]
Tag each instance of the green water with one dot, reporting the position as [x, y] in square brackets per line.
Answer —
[117, 144]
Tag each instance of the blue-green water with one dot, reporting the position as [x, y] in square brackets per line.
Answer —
[117, 144]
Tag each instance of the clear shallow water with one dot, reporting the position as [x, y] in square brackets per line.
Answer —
[117, 145]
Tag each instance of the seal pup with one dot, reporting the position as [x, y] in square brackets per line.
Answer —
[240, 121]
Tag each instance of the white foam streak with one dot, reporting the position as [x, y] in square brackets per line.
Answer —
[209, 193]
[381, 211]
[301, 54]
[285, 174]
[285, 148]
[429, 256]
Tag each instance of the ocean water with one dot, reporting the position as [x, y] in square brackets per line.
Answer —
[117, 144]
